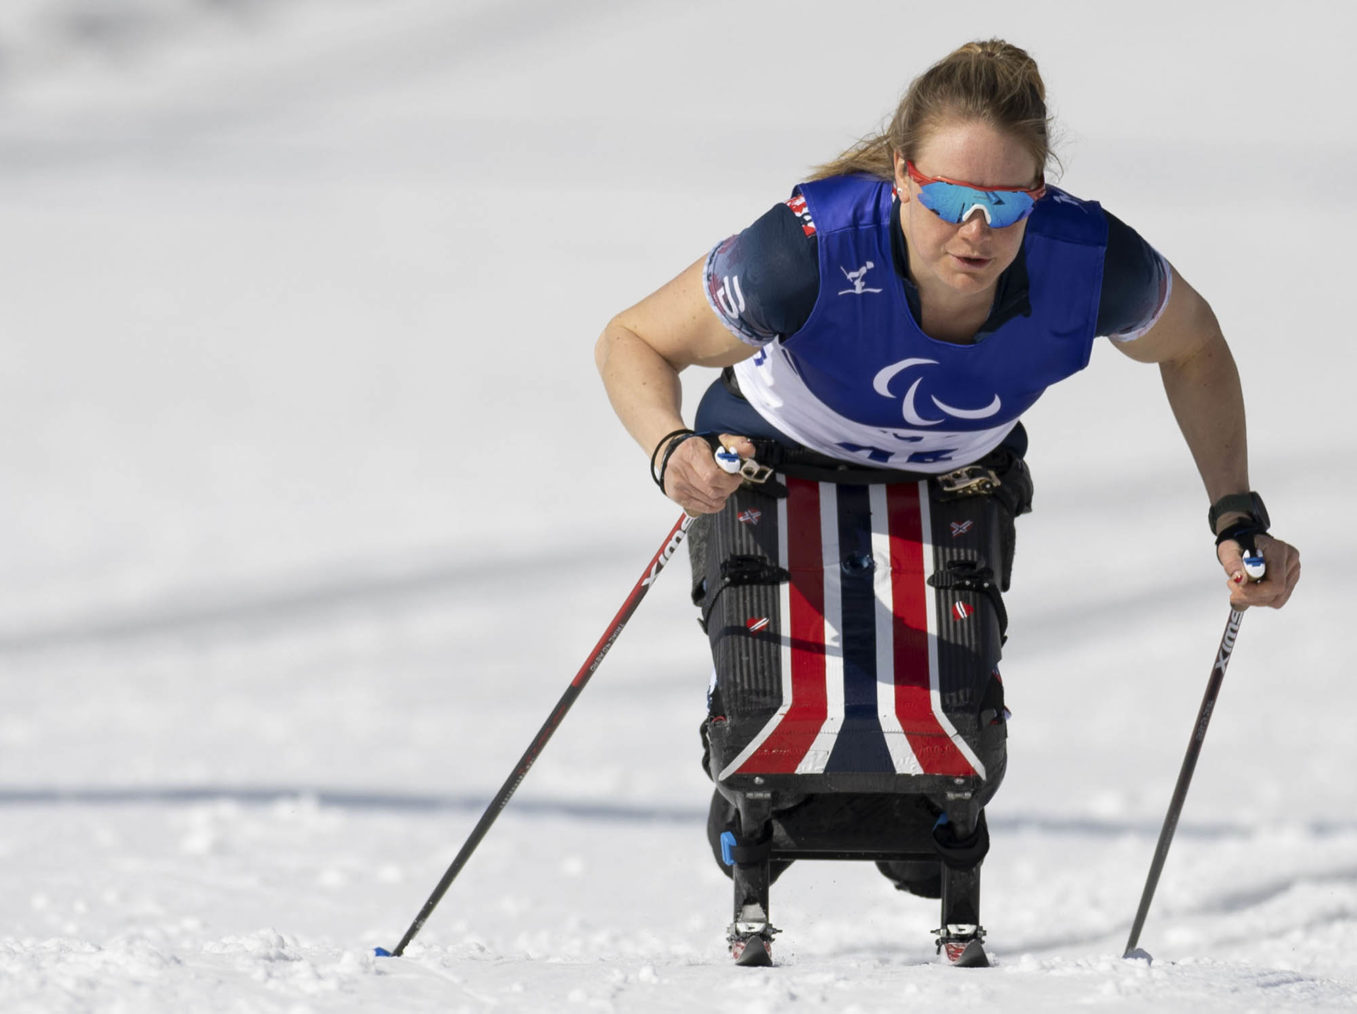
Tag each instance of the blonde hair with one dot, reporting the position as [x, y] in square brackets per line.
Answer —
[991, 82]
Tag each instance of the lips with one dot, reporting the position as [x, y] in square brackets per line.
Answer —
[972, 262]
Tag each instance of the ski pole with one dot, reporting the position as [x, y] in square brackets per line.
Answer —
[1194, 747]
[726, 459]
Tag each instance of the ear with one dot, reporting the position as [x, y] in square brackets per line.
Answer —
[901, 177]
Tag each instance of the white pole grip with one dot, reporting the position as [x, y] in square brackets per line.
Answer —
[728, 460]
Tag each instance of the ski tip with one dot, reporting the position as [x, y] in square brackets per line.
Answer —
[755, 952]
[965, 954]
[382, 952]
[1138, 954]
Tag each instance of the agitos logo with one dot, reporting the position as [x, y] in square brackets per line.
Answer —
[881, 383]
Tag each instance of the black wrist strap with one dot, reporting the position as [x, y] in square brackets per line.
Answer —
[1245, 533]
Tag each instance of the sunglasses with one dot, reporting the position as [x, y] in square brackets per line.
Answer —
[954, 201]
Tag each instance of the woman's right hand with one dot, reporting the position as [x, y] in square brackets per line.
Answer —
[694, 480]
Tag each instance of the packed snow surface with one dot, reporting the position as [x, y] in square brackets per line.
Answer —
[313, 505]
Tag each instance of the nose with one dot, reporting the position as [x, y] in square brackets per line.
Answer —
[976, 223]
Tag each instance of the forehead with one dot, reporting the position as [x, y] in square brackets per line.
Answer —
[976, 152]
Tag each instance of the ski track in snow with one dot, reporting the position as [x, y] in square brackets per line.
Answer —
[314, 506]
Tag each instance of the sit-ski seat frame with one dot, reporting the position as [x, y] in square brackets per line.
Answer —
[856, 710]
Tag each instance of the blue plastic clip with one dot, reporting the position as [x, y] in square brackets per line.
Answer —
[727, 847]
[1254, 567]
[728, 460]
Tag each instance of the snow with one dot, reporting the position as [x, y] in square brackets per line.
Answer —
[313, 506]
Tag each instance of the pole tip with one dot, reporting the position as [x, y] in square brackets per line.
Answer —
[1138, 954]
[382, 952]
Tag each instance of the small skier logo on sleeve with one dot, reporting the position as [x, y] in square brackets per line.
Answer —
[857, 279]
[961, 611]
[961, 527]
[749, 517]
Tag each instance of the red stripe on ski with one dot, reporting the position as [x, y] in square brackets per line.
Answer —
[787, 744]
[931, 744]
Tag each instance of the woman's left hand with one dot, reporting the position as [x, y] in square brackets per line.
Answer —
[1282, 561]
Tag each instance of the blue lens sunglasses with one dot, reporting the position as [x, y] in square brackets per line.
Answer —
[954, 201]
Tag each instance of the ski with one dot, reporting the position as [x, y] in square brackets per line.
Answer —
[752, 951]
[962, 946]
[751, 937]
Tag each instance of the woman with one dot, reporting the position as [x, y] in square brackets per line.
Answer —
[902, 310]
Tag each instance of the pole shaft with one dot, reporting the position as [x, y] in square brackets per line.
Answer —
[576, 687]
[1194, 749]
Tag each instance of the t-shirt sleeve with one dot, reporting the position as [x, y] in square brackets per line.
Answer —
[763, 282]
[1137, 283]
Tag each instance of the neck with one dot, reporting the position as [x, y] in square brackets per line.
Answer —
[951, 316]
[938, 299]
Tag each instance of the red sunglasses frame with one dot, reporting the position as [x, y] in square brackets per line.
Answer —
[1036, 193]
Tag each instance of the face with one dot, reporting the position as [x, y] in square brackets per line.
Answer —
[966, 259]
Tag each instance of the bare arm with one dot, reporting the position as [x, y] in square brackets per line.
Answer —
[640, 355]
[1202, 384]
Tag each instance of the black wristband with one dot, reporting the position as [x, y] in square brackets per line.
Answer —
[667, 443]
[1249, 503]
[654, 475]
